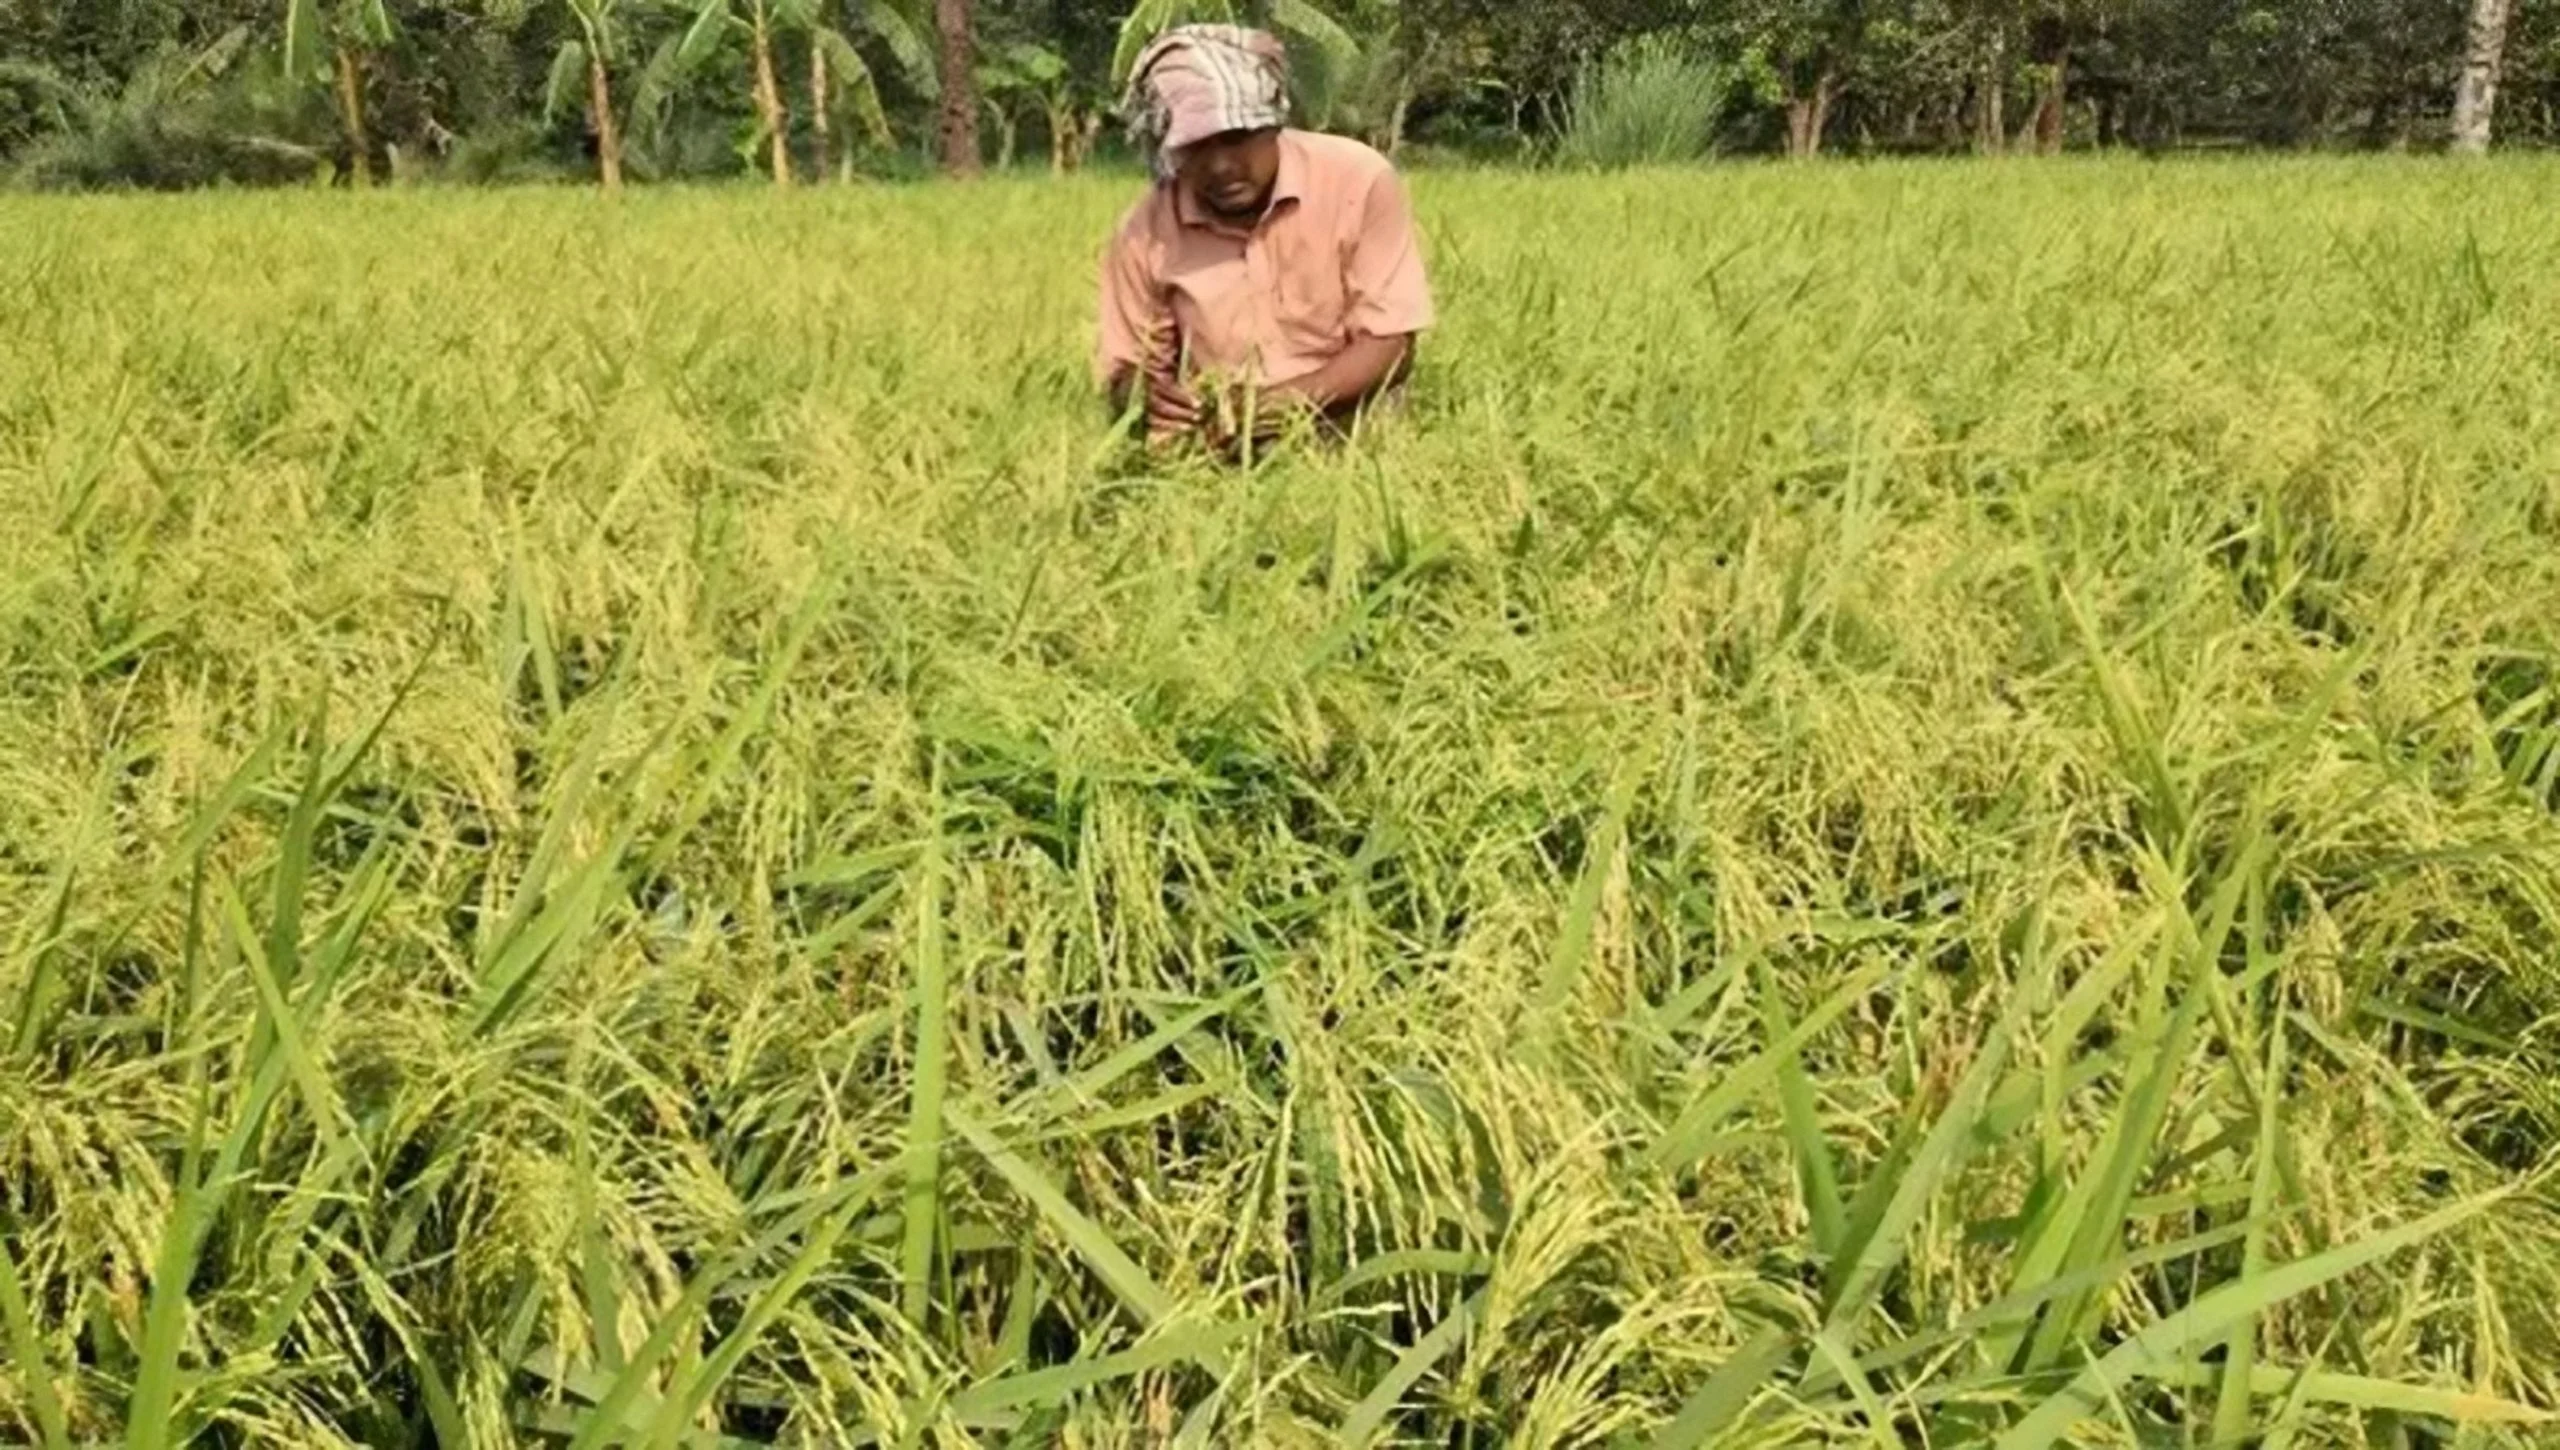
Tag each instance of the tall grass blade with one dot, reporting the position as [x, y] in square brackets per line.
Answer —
[319, 1097]
[1085, 1089]
[1879, 1247]
[2171, 1342]
[925, 1096]
[26, 1349]
[2240, 1353]
[1715, 1405]
[1691, 1133]
[42, 954]
[2307, 1385]
[2090, 1224]
[1817, 1172]
[2020, 1306]
[1151, 1304]
[1600, 859]
[1369, 1416]
[1054, 1385]
[696, 1388]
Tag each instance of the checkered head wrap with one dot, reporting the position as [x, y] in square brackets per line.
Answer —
[1198, 81]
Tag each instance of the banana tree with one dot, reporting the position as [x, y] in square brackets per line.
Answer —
[350, 28]
[585, 63]
[841, 85]
[840, 81]
[1026, 78]
[714, 23]
[1296, 19]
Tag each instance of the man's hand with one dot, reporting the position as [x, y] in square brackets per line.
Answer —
[1220, 414]
[1263, 415]
[1226, 415]
[1172, 407]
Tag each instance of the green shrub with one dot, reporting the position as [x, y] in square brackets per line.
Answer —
[181, 120]
[509, 152]
[1652, 101]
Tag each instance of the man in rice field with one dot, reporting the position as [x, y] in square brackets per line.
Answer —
[1270, 273]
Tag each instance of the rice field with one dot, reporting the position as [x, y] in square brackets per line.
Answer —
[1914, 805]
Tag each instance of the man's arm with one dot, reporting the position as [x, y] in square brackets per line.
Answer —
[1139, 344]
[1368, 367]
[1133, 331]
[1390, 296]
[1390, 305]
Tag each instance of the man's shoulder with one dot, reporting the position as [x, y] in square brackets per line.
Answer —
[1148, 216]
[1342, 156]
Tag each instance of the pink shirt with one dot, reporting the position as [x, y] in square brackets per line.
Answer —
[1334, 256]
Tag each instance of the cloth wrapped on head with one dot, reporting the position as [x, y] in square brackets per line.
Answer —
[1198, 81]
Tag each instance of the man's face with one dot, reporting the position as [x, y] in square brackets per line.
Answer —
[1231, 174]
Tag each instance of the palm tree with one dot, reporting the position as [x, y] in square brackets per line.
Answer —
[170, 123]
[351, 27]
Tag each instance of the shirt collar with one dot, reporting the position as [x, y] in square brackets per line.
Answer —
[1288, 184]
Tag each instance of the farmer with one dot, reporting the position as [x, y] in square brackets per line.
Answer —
[1270, 272]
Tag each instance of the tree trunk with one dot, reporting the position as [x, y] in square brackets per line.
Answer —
[2475, 98]
[959, 88]
[1808, 114]
[820, 102]
[1990, 133]
[1066, 136]
[2049, 114]
[1008, 135]
[777, 121]
[351, 110]
[600, 115]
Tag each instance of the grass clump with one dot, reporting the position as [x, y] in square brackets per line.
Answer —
[1655, 100]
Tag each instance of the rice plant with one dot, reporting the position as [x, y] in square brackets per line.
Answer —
[1914, 804]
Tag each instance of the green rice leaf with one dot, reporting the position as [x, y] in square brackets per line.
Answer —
[2168, 1344]
[26, 1350]
[1369, 1416]
[1715, 1405]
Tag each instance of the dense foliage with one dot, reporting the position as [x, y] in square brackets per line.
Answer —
[487, 88]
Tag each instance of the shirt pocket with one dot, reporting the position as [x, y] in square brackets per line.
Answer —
[1212, 301]
[1312, 295]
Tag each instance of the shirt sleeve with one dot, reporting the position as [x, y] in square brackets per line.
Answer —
[1390, 296]
[1132, 320]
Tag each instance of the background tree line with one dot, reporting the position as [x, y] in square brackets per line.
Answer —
[180, 92]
